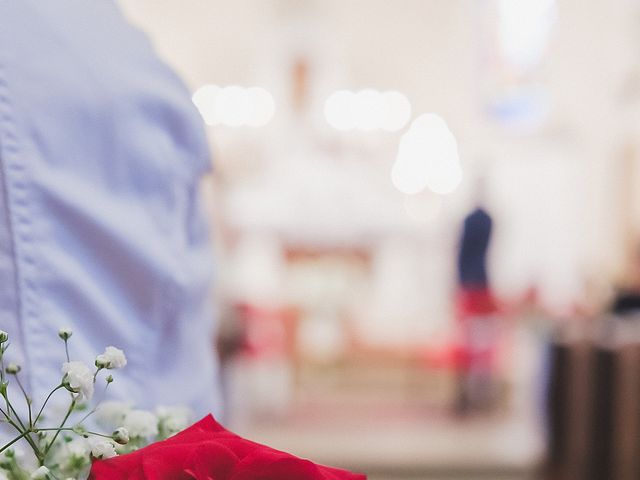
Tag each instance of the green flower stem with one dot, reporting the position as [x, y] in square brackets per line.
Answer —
[23, 429]
[69, 429]
[66, 348]
[11, 409]
[45, 403]
[89, 414]
[100, 435]
[64, 420]
[4, 389]
[95, 409]
[27, 399]
[2, 350]
[33, 444]
[24, 434]
[10, 421]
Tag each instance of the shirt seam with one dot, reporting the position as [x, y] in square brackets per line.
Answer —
[14, 192]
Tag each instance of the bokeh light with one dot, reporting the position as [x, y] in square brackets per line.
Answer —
[368, 109]
[261, 107]
[234, 106]
[338, 110]
[427, 158]
[205, 99]
[524, 29]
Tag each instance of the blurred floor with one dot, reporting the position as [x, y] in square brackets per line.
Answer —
[456, 475]
[390, 442]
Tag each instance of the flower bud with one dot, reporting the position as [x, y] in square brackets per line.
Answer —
[41, 473]
[102, 449]
[13, 368]
[65, 333]
[79, 429]
[121, 436]
[67, 385]
[102, 361]
[109, 378]
[4, 336]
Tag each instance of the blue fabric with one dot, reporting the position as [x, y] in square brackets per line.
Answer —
[101, 227]
[472, 257]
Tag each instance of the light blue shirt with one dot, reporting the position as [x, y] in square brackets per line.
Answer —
[101, 226]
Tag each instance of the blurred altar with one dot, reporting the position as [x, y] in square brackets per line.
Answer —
[349, 138]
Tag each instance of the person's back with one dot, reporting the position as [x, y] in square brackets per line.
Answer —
[475, 309]
[101, 230]
[474, 244]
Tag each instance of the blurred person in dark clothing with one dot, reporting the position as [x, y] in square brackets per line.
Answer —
[626, 300]
[475, 312]
[472, 257]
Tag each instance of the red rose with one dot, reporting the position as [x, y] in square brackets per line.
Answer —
[206, 451]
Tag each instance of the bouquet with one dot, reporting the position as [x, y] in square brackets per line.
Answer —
[139, 445]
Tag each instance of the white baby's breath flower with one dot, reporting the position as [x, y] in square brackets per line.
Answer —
[102, 448]
[65, 333]
[78, 379]
[173, 419]
[111, 358]
[121, 436]
[71, 455]
[13, 368]
[102, 361]
[78, 448]
[41, 473]
[110, 414]
[140, 423]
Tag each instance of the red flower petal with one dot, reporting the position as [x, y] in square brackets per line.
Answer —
[207, 451]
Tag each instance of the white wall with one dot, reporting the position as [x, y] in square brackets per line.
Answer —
[553, 192]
